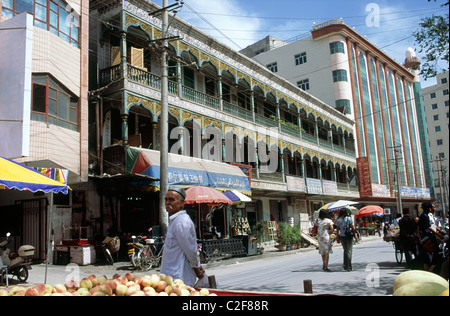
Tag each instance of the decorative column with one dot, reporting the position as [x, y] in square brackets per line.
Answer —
[252, 104]
[123, 54]
[125, 129]
[281, 160]
[219, 86]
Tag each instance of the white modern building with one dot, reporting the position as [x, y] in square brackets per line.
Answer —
[341, 67]
[436, 103]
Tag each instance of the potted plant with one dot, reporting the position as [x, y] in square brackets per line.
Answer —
[295, 237]
[258, 230]
[283, 236]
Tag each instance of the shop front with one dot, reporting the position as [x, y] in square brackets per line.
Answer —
[216, 224]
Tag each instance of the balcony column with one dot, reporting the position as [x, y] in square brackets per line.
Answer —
[343, 143]
[252, 105]
[299, 123]
[179, 79]
[336, 174]
[224, 151]
[346, 179]
[125, 129]
[279, 116]
[256, 161]
[219, 87]
[123, 54]
[154, 137]
[316, 131]
[302, 167]
[281, 161]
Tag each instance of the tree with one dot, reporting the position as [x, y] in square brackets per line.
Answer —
[432, 38]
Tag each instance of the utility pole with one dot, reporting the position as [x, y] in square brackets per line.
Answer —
[397, 177]
[442, 183]
[164, 116]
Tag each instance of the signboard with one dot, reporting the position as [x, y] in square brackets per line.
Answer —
[314, 186]
[365, 181]
[295, 184]
[329, 187]
[380, 190]
[412, 192]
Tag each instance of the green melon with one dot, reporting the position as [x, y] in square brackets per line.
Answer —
[420, 289]
[413, 276]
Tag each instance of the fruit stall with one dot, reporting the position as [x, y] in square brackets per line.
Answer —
[409, 283]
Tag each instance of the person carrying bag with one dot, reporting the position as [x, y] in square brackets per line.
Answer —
[345, 234]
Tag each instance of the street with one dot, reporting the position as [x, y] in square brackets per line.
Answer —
[374, 267]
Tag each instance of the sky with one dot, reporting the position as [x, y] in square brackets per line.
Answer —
[239, 23]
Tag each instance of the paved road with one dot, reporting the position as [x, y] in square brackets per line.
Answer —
[373, 262]
[374, 267]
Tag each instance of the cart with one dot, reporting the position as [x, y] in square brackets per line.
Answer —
[395, 239]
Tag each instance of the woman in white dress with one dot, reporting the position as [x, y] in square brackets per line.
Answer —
[324, 229]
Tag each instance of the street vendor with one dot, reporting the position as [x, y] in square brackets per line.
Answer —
[180, 257]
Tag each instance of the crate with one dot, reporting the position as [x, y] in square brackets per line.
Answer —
[270, 230]
[82, 255]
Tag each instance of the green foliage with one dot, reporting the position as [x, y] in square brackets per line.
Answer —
[433, 40]
[288, 234]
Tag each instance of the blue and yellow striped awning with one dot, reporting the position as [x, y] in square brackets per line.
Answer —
[14, 175]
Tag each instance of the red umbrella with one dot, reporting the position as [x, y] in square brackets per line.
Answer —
[370, 210]
[207, 195]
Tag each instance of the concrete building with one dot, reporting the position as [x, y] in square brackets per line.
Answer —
[339, 66]
[436, 103]
[43, 108]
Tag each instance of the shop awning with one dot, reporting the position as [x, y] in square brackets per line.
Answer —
[187, 171]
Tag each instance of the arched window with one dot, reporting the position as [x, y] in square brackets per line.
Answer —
[55, 16]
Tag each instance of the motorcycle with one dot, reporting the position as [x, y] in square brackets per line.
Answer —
[19, 263]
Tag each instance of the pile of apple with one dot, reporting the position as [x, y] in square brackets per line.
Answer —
[128, 285]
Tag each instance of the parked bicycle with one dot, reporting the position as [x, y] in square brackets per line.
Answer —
[106, 252]
[134, 248]
[109, 246]
[150, 255]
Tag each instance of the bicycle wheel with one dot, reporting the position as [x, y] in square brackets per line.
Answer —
[108, 255]
[145, 259]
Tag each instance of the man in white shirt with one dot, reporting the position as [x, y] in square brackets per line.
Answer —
[180, 257]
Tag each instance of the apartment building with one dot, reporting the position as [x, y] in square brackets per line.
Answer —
[341, 67]
[43, 107]
[254, 121]
[436, 104]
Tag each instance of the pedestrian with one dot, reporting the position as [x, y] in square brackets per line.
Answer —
[345, 234]
[180, 256]
[408, 235]
[324, 229]
[427, 224]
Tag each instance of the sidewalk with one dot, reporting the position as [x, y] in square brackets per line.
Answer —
[59, 274]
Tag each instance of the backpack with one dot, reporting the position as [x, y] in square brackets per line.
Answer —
[348, 231]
